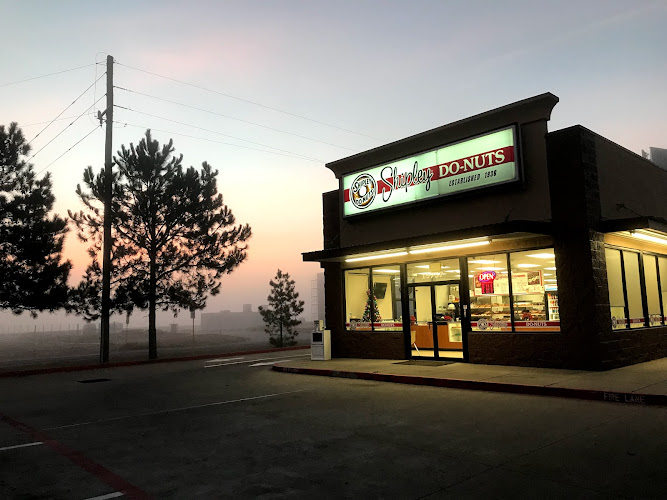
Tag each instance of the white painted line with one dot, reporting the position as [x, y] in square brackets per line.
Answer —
[256, 359]
[222, 359]
[172, 410]
[104, 497]
[21, 446]
[269, 362]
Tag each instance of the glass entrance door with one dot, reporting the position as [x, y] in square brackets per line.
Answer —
[435, 320]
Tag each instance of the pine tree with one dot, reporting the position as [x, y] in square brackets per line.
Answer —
[367, 310]
[281, 314]
[32, 276]
[174, 238]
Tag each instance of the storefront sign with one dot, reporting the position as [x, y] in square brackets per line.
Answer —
[484, 161]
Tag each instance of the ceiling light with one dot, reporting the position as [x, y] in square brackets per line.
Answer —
[452, 246]
[482, 261]
[527, 265]
[653, 238]
[541, 255]
[549, 268]
[423, 267]
[373, 257]
[551, 280]
[386, 271]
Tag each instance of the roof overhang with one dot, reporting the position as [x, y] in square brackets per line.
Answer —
[648, 223]
[464, 238]
[646, 229]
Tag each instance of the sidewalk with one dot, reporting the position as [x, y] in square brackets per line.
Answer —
[644, 383]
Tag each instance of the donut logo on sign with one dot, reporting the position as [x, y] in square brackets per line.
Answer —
[362, 191]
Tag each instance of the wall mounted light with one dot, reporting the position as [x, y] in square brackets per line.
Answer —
[449, 246]
[377, 256]
[649, 236]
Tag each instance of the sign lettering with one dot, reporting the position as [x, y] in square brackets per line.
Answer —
[480, 162]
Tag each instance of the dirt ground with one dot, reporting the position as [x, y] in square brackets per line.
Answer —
[69, 348]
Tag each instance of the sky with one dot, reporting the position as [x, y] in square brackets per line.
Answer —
[267, 92]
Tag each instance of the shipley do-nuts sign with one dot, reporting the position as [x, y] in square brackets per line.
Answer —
[476, 163]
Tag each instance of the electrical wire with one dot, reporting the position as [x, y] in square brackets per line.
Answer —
[68, 126]
[47, 121]
[234, 118]
[44, 76]
[72, 147]
[249, 101]
[71, 104]
[212, 131]
[298, 157]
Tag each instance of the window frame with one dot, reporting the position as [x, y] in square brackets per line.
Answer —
[642, 283]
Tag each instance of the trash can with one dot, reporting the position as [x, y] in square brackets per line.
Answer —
[320, 345]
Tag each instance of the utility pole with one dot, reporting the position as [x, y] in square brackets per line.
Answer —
[106, 251]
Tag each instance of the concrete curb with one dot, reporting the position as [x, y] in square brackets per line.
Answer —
[476, 385]
[63, 369]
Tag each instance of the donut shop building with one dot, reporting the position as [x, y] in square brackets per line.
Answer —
[492, 240]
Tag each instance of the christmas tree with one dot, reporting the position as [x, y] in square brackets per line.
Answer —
[367, 309]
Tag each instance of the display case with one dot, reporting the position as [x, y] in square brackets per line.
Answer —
[552, 306]
[490, 308]
[529, 307]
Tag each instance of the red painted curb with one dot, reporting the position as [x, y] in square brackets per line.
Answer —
[114, 480]
[476, 385]
[62, 369]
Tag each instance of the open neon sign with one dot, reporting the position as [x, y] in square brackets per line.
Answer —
[486, 280]
[486, 277]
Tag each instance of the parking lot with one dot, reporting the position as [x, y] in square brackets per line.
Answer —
[231, 427]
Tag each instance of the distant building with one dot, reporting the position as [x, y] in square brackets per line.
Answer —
[317, 297]
[659, 157]
[89, 327]
[226, 320]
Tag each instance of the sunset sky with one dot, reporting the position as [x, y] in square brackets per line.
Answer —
[302, 83]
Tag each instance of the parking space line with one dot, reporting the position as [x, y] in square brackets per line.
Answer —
[102, 473]
[222, 359]
[269, 363]
[256, 359]
[173, 410]
[105, 497]
[21, 446]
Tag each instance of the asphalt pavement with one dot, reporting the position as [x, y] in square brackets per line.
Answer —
[230, 427]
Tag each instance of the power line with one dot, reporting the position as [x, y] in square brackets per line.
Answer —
[212, 131]
[68, 126]
[249, 102]
[72, 147]
[47, 121]
[44, 76]
[234, 118]
[71, 104]
[296, 155]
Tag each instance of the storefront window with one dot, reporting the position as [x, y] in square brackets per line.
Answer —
[652, 295]
[489, 293]
[441, 270]
[662, 267]
[387, 294]
[535, 290]
[376, 307]
[615, 283]
[633, 289]
[357, 311]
